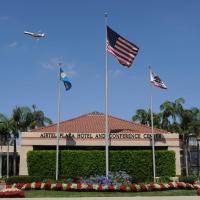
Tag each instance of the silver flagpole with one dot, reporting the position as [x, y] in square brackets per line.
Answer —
[152, 135]
[153, 143]
[106, 96]
[58, 129]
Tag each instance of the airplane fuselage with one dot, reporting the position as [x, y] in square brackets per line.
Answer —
[34, 34]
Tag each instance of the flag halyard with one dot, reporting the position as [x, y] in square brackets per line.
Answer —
[124, 50]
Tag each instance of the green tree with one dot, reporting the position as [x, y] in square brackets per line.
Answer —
[5, 136]
[190, 121]
[24, 119]
[171, 114]
[38, 118]
[144, 117]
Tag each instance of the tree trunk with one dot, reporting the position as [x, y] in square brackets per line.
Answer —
[14, 157]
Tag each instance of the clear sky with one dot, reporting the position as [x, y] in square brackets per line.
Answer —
[167, 33]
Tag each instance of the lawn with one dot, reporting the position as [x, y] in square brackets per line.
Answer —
[48, 193]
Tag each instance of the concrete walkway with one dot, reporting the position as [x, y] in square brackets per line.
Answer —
[116, 198]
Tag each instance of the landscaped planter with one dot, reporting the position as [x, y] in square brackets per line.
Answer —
[11, 193]
[97, 187]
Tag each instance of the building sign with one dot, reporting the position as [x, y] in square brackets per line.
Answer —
[115, 136]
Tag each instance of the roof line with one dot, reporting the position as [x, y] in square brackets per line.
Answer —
[100, 114]
[74, 118]
[140, 124]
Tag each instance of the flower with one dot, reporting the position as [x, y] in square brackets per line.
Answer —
[198, 192]
[11, 193]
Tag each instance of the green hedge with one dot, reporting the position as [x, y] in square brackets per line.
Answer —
[85, 163]
[25, 179]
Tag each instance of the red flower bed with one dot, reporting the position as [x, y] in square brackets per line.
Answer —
[163, 187]
[90, 187]
[198, 192]
[59, 186]
[143, 188]
[100, 188]
[122, 188]
[37, 185]
[28, 186]
[11, 193]
[171, 186]
[69, 186]
[133, 187]
[47, 186]
[78, 186]
[110, 187]
[19, 185]
[96, 187]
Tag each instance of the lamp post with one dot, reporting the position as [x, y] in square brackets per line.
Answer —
[186, 157]
[193, 152]
[198, 155]
[1, 157]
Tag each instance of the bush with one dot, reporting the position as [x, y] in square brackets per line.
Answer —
[25, 179]
[75, 163]
[188, 179]
[164, 179]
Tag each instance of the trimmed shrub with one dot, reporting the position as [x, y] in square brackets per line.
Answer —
[188, 179]
[25, 179]
[74, 163]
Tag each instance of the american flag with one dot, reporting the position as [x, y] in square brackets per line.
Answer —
[122, 49]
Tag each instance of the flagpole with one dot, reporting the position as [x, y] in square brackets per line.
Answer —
[152, 136]
[153, 142]
[106, 96]
[58, 129]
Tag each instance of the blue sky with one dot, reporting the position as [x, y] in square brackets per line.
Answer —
[167, 33]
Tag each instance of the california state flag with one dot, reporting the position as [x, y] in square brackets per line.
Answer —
[156, 81]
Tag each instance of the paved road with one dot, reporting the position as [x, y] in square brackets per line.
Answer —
[117, 198]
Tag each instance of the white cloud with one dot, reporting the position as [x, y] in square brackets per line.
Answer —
[12, 45]
[53, 64]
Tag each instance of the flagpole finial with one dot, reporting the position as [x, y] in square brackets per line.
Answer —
[106, 14]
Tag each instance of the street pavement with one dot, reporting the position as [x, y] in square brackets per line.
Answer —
[117, 198]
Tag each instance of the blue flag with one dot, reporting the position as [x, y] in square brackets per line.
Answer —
[63, 77]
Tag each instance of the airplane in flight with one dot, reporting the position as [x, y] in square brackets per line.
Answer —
[35, 35]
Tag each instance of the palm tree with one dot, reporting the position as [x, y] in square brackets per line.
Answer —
[5, 135]
[144, 117]
[20, 122]
[190, 124]
[171, 113]
[24, 119]
[190, 121]
[38, 119]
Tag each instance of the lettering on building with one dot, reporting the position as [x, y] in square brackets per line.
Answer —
[113, 136]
